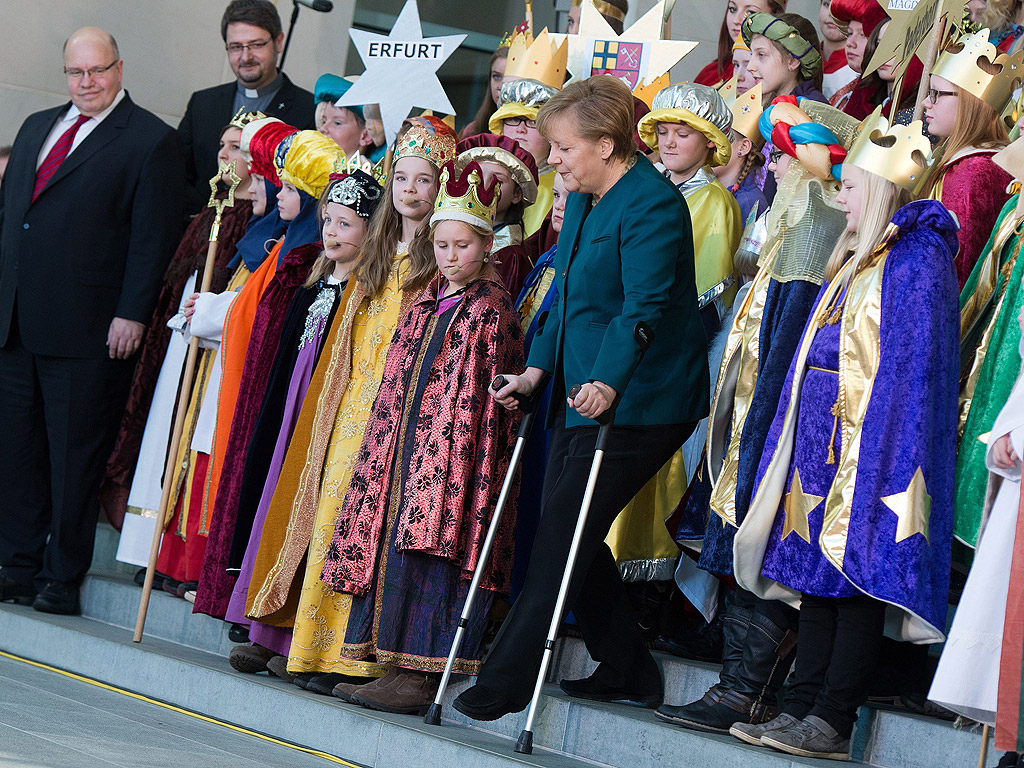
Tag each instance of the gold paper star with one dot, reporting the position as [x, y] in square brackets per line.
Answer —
[914, 27]
[798, 507]
[913, 507]
[657, 58]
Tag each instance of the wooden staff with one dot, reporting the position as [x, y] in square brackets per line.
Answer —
[984, 747]
[666, 20]
[170, 467]
[529, 18]
[929, 61]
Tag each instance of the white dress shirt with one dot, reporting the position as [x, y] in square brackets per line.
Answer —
[68, 120]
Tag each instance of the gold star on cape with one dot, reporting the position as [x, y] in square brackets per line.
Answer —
[658, 57]
[913, 507]
[798, 507]
[913, 27]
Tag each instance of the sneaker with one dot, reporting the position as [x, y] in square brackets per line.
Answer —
[752, 733]
[811, 737]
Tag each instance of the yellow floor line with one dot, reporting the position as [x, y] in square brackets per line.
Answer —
[196, 715]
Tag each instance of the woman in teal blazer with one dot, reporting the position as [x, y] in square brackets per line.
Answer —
[625, 255]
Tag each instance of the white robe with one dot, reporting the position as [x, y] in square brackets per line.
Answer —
[144, 496]
[967, 679]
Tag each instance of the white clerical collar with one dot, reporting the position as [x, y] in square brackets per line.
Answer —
[267, 90]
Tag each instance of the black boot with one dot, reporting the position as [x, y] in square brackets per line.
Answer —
[714, 712]
[767, 657]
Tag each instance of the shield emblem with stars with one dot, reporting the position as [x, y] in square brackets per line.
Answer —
[618, 59]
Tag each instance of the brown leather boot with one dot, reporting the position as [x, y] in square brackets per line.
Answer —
[250, 658]
[401, 691]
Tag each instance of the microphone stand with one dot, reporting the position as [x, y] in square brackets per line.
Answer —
[288, 39]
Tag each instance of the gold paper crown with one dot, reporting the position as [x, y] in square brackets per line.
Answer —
[460, 199]
[605, 9]
[746, 110]
[243, 118]
[899, 153]
[647, 91]
[541, 59]
[959, 65]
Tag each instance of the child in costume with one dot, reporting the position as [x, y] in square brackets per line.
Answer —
[802, 226]
[784, 55]
[416, 511]
[346, 205]
[744, 81]
[689, 126]
[970, 86]
[851, 519]
[838, 77]
[739, 175]
[535, 72]
[504, 159]
[131, 489]
[721, 69]
[228, 318]
[346, 125]
[285, 589]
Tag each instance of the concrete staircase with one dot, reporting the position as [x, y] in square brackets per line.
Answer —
[183, 661]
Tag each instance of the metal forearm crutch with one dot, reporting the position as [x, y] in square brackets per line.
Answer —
[642, 335]
[528, 405]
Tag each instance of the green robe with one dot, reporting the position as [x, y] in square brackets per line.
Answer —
[990, 304]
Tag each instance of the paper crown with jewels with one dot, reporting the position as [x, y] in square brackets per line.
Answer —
[959, 64]
[746, 110]
[539, 59]
[428, 137]
[899, 153]
[463, 197]
[243, 118]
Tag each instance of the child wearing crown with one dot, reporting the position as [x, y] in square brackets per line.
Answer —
[970, 87]
[285, 589]
[428, 472]
[851, 515]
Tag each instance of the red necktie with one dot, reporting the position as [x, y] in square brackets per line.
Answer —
[56, 155]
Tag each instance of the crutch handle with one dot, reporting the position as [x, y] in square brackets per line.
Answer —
[524, 403]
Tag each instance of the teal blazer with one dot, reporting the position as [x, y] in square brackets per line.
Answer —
[627, 259]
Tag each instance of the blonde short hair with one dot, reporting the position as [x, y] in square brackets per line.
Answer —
[598, 107]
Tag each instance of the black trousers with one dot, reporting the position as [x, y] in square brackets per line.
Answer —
[58, 421]
[597, 596]
[836, 652]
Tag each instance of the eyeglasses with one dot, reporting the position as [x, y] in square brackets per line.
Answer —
[934, 95]
[774, 156]
[515, 122]
[234, 49]
[78, 74]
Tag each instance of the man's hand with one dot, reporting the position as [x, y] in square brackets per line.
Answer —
[124, 338]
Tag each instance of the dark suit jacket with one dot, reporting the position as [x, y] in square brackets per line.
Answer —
[95, 243]
[629, 259]
[209, 111]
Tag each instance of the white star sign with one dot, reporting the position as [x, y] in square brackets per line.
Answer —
[401, 70]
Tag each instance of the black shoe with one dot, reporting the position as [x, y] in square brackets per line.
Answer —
[303, 680]
[170, 586]
[716, 712]
[158, 579]
[57, 597]
[595, 690]
[324, 682]
[186, 586]
[1008, 760]
[238, 634]
[12, 591]
[483, 703]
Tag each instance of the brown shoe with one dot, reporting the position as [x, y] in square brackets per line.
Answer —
[279, 666]
[250, 658]
[401, 691]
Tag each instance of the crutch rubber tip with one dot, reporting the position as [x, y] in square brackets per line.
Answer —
[525, 744]
[433, 716]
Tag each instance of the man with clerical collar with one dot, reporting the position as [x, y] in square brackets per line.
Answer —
[253, 37]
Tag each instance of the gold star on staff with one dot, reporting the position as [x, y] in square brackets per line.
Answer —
[913, 508]
[798, 507]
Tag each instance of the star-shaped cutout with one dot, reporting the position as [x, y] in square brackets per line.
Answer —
[401, 70]
[913, 508]
[798, 506]
[658, 56]
[913, 28]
